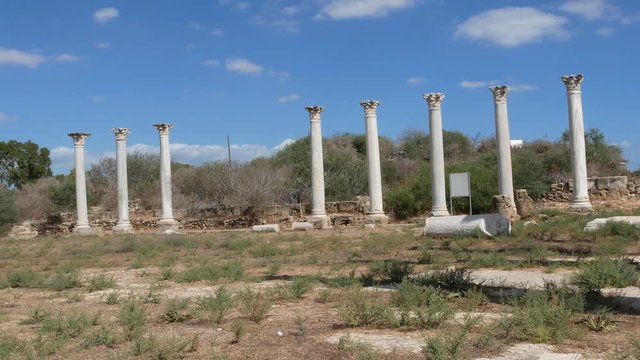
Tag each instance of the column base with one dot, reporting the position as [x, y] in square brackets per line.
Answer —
[320, 221]
[436, 212]
[168, 224]
[86, 231]
[379, 218]
[583, 204]
[123, 228]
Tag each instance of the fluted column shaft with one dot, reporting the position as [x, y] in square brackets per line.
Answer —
[503, 142]
[79, 140]
[438, 187]
[165, 174]
[123, 224]
[317, 161]
[576, 134]
[373, 157]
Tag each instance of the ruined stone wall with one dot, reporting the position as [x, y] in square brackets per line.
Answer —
[600, 188]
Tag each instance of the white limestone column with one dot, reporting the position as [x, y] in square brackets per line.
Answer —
[124, 224]
[376, 212]
[318, 213]
[503, 141]
[166, 222]
[438, 187]
[576, 133]
[82, 224]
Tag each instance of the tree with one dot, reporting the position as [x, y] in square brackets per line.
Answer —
[8, 210]
[23, 163]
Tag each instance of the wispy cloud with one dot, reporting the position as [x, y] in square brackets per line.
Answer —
[416, 80]
[591, 9]
[102, 45]
[605, 31]
[484, 84]
[211, 62]
[279, 75]
[97, 99]
[513, 26]
[238, 4]
[288, 98]
[216, 32]
[66, 58]
[20, 58]
[105, 15]
[63, 157]
[353, 9]
[243, 66]
[6, 117]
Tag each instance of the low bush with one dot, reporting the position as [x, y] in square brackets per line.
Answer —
[604, 272]
[132, 319]
[100, 282]
[456, 280]
[215, 308]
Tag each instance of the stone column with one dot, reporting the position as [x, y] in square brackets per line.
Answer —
[376, 212]
[503, 141]
[576, 134]
[82, 224]
[166, 222]
[438, 187]
[123, 225]
[318, 213]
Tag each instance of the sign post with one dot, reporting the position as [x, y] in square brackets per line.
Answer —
[460, 186]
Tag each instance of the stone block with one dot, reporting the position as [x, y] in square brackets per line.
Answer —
[320, 221]
[266, 228]
[503, 206]
[376, 219]
[554, 356]
[591, 184]
[524, 204]
[468, 225]
[302, 226]
[595, 224]
[87, 231]
[22, 232]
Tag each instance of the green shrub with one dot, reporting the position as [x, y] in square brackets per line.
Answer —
[365, 309]
[401, 202]
[11, 346]
[215, 308]
[446, 347]
[67, 326]
[25, 278]
[8, 210]
[604, 272]
[264, 250]
[457, 280]
[132, 319]
[423, 307]
[64, 280]
[176, 310]
[233, 270]
[299, 286]
[254, 305]
[100, 282]
[392, 270]
[101, 337]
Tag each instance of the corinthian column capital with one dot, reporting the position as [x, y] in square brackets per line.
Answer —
[163, 128]
[121, 133]
[573, 82]
[499, 93]
[314, 112]
[434, 100]
[79, 139]
[370, 106]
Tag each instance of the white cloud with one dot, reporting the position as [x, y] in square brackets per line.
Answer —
[20, 58]
[67, 58]
[288, 98]
[240, 5]
[194, 25]
[352, 9]
[105, 15]
[279, 75]
[605, 31]
[211, 62]
[416, 80]
[243, 66]
[63, 157]
[591, 9]
[286, 25]
[291, 10]
[513, 26]
[216, 32]
[6, 117]
[97, 99]
[103, 45]
[483, 84]
[475, 84]
[283, 144]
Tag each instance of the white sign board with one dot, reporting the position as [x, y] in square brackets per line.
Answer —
[459, 185]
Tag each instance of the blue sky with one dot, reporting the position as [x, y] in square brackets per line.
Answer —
[248, 68]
